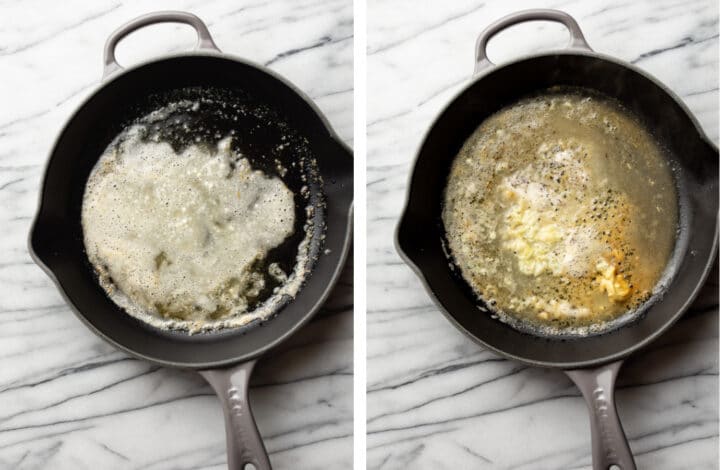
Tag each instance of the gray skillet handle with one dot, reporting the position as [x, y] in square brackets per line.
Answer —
[245, 448]
[609, 444]
[577, 40]
[205, 41]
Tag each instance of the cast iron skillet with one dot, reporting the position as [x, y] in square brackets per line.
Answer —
[592, 362]
[56, 243]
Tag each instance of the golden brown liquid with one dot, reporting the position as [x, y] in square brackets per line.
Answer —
[561, 212]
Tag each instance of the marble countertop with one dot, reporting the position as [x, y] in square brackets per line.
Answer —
[435, 399]
[68, 400]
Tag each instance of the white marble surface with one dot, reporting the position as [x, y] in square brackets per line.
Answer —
[67, 399]
[435, 399]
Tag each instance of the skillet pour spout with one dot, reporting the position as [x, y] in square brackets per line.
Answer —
[592, 361]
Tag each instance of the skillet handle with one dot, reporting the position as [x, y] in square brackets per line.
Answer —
[245, 448]
[609, 445]
[577, 40]
[205, 41]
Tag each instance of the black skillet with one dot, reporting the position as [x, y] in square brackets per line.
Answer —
[592, 362]
[271, 108]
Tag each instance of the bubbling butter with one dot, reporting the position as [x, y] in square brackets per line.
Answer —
[560, 212]
[179, 239]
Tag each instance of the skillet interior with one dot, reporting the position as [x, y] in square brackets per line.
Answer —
[57, 241]
[693, 158]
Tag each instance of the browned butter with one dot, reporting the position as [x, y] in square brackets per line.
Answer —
[560, 211]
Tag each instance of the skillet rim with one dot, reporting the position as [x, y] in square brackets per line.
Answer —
[419, 272]
[344, 152]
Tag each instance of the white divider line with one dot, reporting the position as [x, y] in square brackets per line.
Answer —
[360, 238]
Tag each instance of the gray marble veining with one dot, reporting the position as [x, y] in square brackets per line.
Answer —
[435, 399]
[67, 399]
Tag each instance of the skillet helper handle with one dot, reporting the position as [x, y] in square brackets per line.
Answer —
[205, 41]
[245, 448]
[609, 445]
[577, 40]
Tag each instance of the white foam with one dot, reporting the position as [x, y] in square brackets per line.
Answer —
[172, 232]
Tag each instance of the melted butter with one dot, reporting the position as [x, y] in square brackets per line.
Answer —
[177, 238]
[560, 211]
